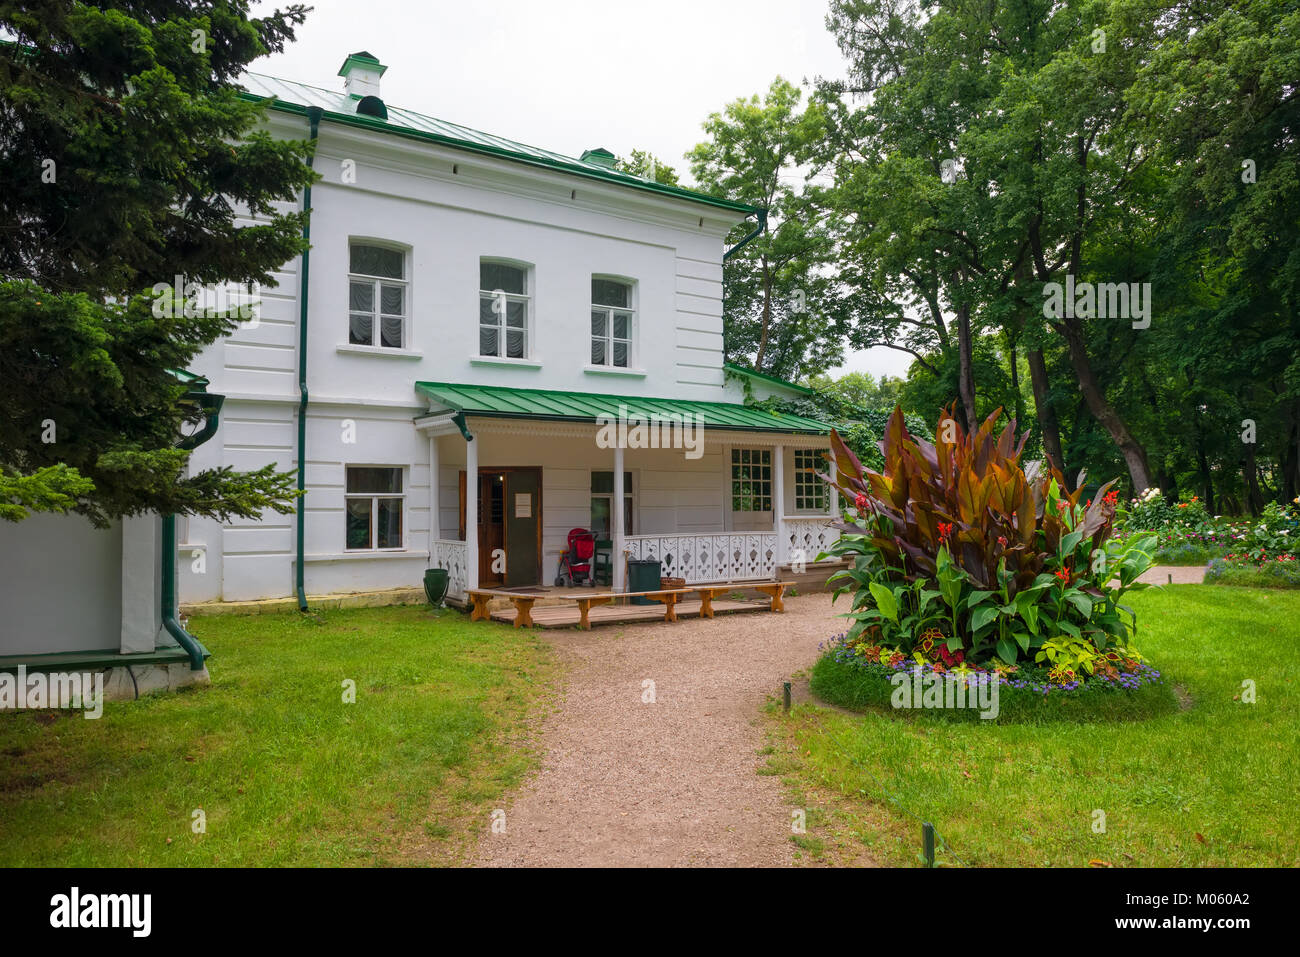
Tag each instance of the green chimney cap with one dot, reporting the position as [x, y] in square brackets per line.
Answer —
[362, 59]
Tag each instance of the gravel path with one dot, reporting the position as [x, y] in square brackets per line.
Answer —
[670, 783]
[1181, 574]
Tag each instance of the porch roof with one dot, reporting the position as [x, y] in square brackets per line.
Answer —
[503, 402]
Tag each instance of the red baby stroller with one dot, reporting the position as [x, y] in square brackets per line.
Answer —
[575, 561]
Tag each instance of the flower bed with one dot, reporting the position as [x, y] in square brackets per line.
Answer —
[960, 566]
[1280, 572]
[1188, 535]
[854, 674]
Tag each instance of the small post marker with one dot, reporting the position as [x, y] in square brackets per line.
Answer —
[1171, 578]
[927, 843]
[785, 693]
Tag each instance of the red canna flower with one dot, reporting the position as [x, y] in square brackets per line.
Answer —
[1002, 540]
[860, 503]
[945, 529]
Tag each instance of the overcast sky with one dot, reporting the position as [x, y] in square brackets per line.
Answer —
[577, 74]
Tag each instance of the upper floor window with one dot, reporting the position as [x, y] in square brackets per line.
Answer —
[809, 490]
[377, 296]
[612, 316]
[503, 310]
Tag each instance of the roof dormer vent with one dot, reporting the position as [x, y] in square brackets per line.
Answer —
[361, 72]
[599, 157]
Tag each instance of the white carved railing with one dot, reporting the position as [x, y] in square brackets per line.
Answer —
[809, 535]
[454, 556]
[740, 556]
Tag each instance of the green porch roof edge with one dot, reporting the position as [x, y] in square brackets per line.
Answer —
[503, 402]
[744, 370]
[500, 147]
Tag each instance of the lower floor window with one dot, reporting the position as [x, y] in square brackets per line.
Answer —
[602, 504]
[751, 480]
[374, 506]
[809, 490]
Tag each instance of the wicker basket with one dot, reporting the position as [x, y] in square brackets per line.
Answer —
[672, 583]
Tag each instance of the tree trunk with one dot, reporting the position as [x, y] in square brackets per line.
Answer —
[767, 317]
[966, 368]
[1203, 465]
[1291, 459]
[1135, 456]
[1014, 355]
[1249, 472]
[1047, 423]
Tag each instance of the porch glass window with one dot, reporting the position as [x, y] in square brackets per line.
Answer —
[504, 305]
[374, 506]
[377, 296]
[751, 480]
[809, 490]
[602, 503]
[611, 322]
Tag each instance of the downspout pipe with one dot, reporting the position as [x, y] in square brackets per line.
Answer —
[314, 114]
[758, 230]
[211, 405]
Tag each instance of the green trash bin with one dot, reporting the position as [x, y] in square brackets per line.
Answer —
[435, 584]
[642, 575]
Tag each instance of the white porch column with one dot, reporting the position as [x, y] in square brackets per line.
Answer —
[833, 471]
[778, 502]
[616, 519]
[435, 527]
[471, 513]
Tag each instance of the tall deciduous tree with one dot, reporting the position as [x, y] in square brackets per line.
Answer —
[1028, 117]
[127, 156]
[784, 313]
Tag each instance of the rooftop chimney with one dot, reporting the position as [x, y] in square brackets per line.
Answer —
[361, 72]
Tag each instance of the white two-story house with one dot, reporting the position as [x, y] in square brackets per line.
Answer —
[447, 360]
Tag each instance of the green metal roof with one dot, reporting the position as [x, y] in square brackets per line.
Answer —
[341, 107]
[503, 402]
[743, 370]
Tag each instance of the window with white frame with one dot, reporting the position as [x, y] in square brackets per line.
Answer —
[503, 310]
[375, 504]
[612, 320]
[602, 504]
[809, 490]
[377, 296]
[751, 480]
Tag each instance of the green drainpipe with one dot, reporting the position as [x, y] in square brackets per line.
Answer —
[211, 404]
[762, 225]
[314, 114]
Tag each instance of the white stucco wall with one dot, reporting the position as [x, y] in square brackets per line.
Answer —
[62, 587]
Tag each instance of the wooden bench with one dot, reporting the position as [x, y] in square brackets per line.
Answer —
[774, 590]
[481, 597]
[669, 597]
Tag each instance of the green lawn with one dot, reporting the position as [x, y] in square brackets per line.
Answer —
[1214, 784]
[285, 772]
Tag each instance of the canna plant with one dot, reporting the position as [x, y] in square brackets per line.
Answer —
[954, 536]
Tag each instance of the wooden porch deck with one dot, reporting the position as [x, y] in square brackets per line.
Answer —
[568, 616]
